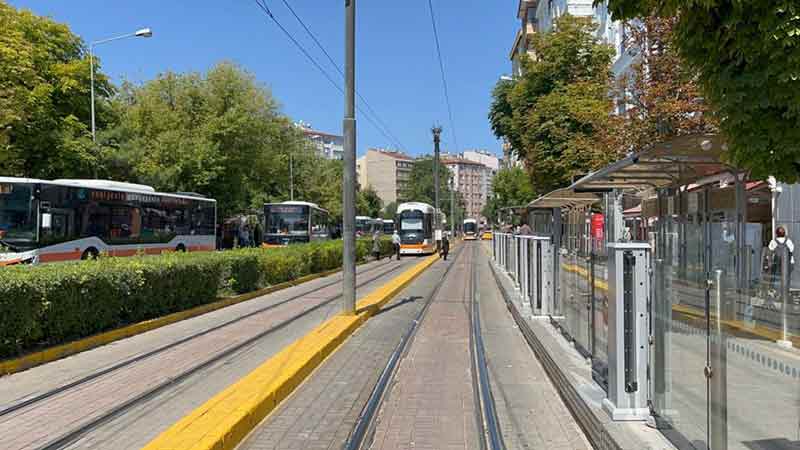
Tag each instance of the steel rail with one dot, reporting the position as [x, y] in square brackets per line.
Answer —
[363, 431]
[156, 351]
[93, 424]
[491, 426]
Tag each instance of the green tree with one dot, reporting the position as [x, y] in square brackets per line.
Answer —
[660, 91]
[368, 203]
[220, 134]
[555, 115]
[510, 187]
[389, 211]
[747, 56]
[45, 120]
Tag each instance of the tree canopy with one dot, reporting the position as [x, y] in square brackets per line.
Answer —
[555, 114]
[368, 203]
[220, 134]
[510, 187]
[45, 121]
[421, 187]
[747, 57]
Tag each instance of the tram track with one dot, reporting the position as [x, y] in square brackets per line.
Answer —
[72, 435]
[362, 435]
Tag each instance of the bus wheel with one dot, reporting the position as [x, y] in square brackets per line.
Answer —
[180, 248]
[90, 253]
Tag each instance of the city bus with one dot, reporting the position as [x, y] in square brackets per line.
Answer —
[295, 222]
[46, 221]
[417, 228]
[364, 226]
[470, 229]
[388, 226]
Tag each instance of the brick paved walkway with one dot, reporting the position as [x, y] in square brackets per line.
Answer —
[431, 405]
[530, 411]
[323, 411]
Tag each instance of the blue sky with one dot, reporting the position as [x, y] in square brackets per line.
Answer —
[397, 69]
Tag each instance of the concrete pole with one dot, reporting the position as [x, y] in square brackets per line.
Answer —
[91, 83]
[437, 132]
[349, 178]
[291, 177]
[453, 207]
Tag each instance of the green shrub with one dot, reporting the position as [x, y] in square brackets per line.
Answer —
[52, 304]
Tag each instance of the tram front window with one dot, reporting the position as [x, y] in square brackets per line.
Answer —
[412, 227]
[17, 216]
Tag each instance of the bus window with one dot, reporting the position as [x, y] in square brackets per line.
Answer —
[17, 215]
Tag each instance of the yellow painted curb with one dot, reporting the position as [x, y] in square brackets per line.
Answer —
[224, 420]
[47, 355]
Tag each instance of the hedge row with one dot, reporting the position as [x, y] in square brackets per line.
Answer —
[52, 304]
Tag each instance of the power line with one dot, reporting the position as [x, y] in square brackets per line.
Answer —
[391, 136]
[444, 80]
[265, 8]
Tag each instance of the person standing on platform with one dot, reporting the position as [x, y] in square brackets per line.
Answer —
[396, 244]
[376, 246]
[445, 246]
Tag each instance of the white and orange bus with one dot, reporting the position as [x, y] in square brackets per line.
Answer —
[46, 221]
[417, 228]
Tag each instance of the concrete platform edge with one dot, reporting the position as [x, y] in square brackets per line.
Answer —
[596, 424]
[228, 417]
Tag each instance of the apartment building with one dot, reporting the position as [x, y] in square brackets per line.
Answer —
[329, 146]
[386, 171]
[489, 160]
[471, 182]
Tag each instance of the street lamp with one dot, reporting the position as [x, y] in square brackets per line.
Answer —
[144, 33]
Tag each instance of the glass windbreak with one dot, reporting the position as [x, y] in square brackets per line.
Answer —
[762, 377]
[287, 220]
[680, 353]
[598, 269]
[17, 216]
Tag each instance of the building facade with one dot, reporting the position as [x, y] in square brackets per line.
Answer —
[471, 180]
[386, 171]
[328, 146]
[492, 164]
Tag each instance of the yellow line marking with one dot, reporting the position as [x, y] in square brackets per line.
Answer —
[47, 355]
[224, 420]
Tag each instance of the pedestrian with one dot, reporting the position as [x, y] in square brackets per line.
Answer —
[396, 244]
[445, 246]
[525, 230]
[376, 246]
[244, 236]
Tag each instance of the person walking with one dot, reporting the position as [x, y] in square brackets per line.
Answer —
[376, 246]
[396, 244]
[445, 246]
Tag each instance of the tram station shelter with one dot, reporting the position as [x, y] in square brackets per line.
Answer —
[670, 279]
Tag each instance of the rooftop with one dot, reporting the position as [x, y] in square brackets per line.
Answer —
[391, 153]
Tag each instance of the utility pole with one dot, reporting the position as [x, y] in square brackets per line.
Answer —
[349, 178]
[291, 178]
[452, 207]
[437, 132]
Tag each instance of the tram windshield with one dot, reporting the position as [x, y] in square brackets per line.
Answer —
[286, 219]
[412, 221]
[470, 227]
[17, 215]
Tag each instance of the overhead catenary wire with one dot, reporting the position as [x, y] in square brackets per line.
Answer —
[338, 68]
[444, 79]
[265, 8]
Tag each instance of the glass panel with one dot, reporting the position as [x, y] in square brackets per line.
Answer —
[683, 403]
[599, 298]
[17, 216]
[763, 394]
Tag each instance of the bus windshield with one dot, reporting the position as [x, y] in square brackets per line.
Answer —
[287, 220]
[17, 215]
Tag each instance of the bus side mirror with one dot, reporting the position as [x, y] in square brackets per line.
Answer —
[47, 220]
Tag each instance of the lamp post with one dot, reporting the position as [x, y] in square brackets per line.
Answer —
[144, 32]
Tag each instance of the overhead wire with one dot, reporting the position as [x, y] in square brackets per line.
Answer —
[444, 79]
[338, 67]
[265, 8]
